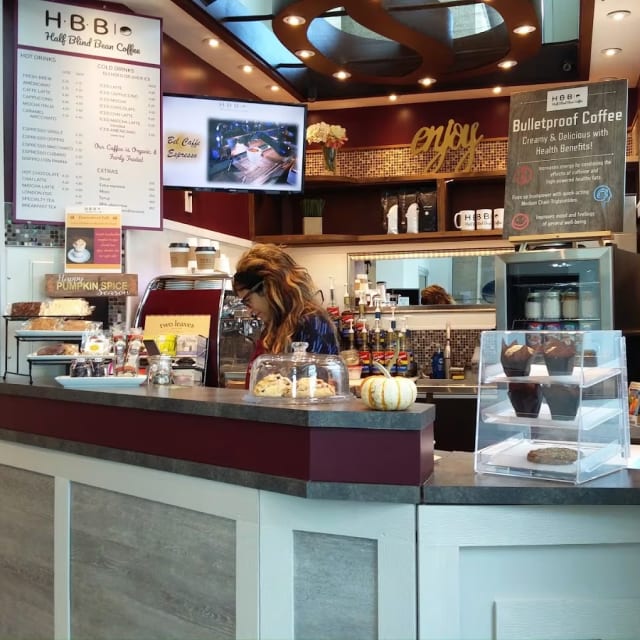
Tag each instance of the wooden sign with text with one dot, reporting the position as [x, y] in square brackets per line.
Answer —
[89, 285]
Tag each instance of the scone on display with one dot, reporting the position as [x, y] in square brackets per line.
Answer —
[273, 385]
[66, 307]
[25, 309]
[42, 324]
[313, 388]
[58, 349]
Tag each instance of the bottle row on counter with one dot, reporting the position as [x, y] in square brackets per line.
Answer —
[363, 344]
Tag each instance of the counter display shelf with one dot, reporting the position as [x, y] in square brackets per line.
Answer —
[561, 418]
[28, 335]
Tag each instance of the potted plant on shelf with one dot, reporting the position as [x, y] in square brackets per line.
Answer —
[312, 216]
[331, 137]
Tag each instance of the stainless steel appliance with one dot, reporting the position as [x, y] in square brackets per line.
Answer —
[233, 331]
[571, 289]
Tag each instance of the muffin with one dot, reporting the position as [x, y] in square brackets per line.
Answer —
[559, 356]
[526, 398]
[563, 400]
[516, 359]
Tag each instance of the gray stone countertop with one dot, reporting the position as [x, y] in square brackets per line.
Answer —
[234, 404]
[454, 481]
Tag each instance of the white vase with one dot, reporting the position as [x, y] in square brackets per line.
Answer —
[311, 226]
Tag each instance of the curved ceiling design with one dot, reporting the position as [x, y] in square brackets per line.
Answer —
[390, 46]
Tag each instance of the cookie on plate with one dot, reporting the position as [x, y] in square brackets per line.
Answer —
[553, 455]
[314, 388]
[274, 385]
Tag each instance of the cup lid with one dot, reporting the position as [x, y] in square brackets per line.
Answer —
[209, 249]
[179, 245]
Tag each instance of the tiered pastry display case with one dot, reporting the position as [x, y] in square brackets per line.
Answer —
[552, 405]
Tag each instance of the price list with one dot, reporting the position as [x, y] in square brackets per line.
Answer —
[88, 113]
[87, 132]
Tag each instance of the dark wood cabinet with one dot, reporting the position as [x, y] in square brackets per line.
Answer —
[353, 210]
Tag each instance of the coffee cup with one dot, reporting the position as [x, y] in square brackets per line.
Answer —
[465, 220]
[483, 219]
[179, 255]
[206, 258]
[498, 218]
[254, 154]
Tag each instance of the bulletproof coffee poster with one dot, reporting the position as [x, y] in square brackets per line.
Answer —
[566, 160]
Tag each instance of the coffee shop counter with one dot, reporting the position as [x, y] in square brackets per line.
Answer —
[191, 512]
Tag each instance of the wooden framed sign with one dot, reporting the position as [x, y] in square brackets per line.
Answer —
[566, 160]
[62, 285]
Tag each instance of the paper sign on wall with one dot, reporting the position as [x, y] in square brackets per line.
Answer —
[179, 325]
[93, 240]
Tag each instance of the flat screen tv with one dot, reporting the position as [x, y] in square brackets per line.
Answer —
[232, 145]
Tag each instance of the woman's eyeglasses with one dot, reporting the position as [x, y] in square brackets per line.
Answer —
[245, 298]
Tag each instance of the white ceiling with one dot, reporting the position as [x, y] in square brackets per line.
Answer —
[606, 33]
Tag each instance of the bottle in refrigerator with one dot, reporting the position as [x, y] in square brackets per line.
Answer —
[569, 304]
[551, 305]
[533, 306]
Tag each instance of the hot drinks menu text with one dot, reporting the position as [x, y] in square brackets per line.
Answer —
[88, 104]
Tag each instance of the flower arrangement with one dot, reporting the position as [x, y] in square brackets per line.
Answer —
[329, 135]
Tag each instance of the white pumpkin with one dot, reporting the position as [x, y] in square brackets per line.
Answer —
[387, 393]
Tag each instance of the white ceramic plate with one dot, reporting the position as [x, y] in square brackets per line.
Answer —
[110, 382]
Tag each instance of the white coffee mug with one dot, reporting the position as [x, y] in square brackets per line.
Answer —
[483, 218]
[498, 218]
[465, 220]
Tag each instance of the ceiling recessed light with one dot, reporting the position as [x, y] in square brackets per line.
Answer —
[524, 29]
[507, 64]
[393, 97]
[619, 15]
[293, 21]
[427, 82]
[611, 51]
[497, 90]
[305, 53]
[212, 42]
[246, 68]
[273, 87]
[341, 75]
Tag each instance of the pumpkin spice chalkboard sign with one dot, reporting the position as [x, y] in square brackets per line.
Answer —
[566, 160]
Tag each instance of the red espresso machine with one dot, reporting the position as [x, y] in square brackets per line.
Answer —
[232, 331]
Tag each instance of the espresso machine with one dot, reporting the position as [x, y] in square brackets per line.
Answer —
[232, 330]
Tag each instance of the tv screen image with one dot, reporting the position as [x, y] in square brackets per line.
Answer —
[233, 145]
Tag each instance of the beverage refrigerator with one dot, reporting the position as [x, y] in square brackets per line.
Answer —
[573, 289]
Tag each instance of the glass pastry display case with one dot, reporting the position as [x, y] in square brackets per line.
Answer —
[552, 405]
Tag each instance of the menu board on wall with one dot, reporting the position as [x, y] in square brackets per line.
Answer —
[88, 102]
[566, 160]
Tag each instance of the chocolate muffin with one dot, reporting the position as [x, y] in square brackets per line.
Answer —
[516, 359]
[563, 400]
[526, 398]
[559, 356]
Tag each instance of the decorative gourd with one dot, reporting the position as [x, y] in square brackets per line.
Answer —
[387, 393]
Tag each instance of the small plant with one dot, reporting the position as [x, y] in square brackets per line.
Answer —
[312, 207]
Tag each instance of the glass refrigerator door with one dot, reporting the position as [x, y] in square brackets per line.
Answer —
[551, 290]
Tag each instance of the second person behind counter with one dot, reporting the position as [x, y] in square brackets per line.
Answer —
[435, 294]
[281, 293]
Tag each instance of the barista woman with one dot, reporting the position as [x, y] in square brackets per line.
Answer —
[281, 293]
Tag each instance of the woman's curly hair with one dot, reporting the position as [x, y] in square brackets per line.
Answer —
[435, 294]
[287, 287]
